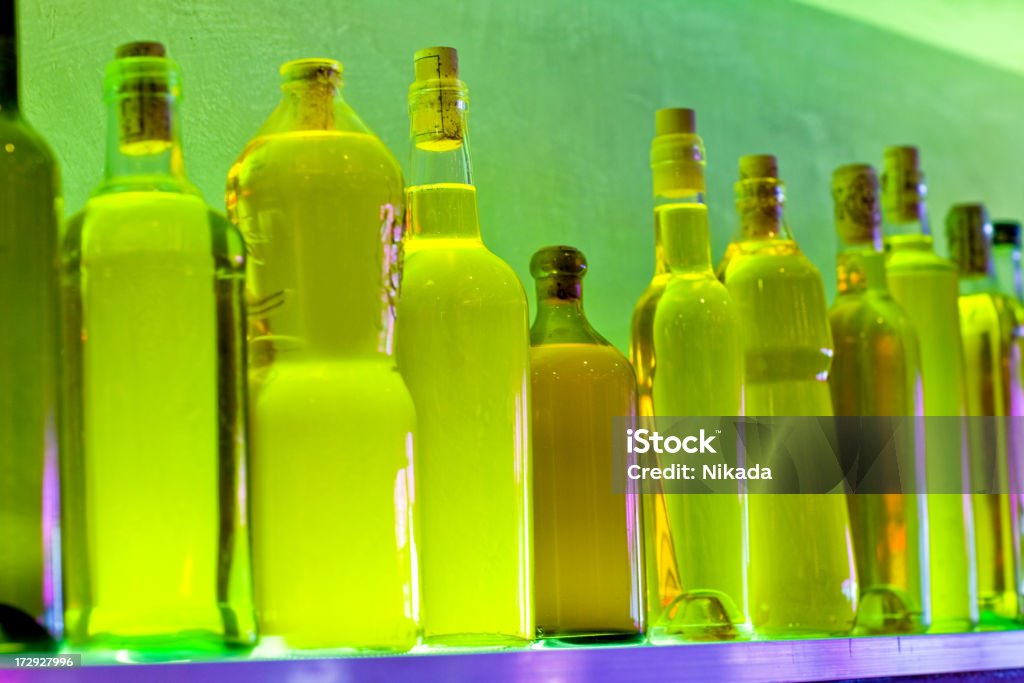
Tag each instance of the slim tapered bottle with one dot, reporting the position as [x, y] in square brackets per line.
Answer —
[587, 538]
[686, 326]
[462, 343]
[987, 329]
[319, 199]
[876, 371]
[155, 523]
[29, 212]
[925, 285]
[809, 588]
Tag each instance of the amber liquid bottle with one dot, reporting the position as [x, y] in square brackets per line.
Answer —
[29, 212]
[809, 587]
[462, 343]
[924, 284]
[876, 372]
[587, 542]
[987, 329]
[686, 342]
[319, 199]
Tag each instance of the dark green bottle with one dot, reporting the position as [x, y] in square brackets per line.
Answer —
[29, 212]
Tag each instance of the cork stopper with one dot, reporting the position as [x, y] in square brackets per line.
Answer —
[677, 154]
[144, 82]
[141, 48]
[1006, 232]
[437, 100]
[674, 120]
[759, 166]
[903, 188]
[855, 192]
[558, 271]
[969, 235]
[760, 197]
[440, 63]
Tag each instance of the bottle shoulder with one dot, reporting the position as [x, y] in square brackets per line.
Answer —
[866, 314]
[460, 266]
[22, 146]
[582, 360]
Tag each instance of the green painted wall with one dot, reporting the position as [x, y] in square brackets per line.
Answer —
[563, 95]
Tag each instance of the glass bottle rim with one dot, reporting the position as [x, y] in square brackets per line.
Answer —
[311, 68]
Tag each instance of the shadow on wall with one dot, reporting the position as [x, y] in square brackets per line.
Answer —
[563, 95]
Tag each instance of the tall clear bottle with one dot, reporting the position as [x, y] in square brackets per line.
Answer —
[876, 371]
[925, 285]
[320, 199]
[686, 327]
[155, 523]
[1006, 258]
[29, 212]
[810, 587]
[587, 538]
[987, 330]
[462, 342]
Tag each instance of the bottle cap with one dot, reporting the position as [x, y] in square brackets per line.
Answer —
[558, 260]
[559, 271]
[436, 63]
[675, 120]
[969, 235]
[677, 154]
[903, 186]
[758, 166]
[437, 100]
[141, 48]
[1006, 232]
[855, 198]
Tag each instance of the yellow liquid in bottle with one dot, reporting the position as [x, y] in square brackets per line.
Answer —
[876, 371]
[803, 580]
[586, 537]
[332, 422]
[688, 322]
[986, 337]
[155, 553]
[925, 286]
[463, 348]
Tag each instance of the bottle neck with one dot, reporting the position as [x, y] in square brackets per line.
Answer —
[560, 317]
[143, 145]
[438, 114]
[760, 203]
[859, 269]
[682, 240]
[1006, 260]
[8, 58]
[442, 211]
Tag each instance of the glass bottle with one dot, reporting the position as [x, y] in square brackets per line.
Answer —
[876, 371]
[155, 525]
[987, 328]
[587, 539]
[29, 212]
[319, 199]
[809, 588]
[462, 342]
[1006, 241]
[925, 285]
[687, 327]
[1006, 258]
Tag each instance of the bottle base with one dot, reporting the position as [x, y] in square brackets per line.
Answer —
[456, 642]
[172, 647]
[19, 632]
[589, 638]
[885, 611]
[699, 616]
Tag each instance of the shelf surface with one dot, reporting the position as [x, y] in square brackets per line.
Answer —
[750, 662]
